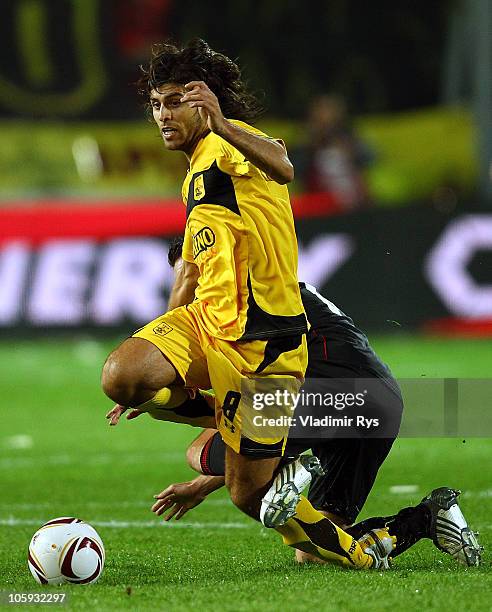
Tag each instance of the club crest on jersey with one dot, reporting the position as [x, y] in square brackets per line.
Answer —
[198, 188]
[162, 329]
[202, 240]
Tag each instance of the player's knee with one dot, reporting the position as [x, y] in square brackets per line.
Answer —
[245, 497]
[193, 456]
[118, 380]
[135, 371]
[240, 499]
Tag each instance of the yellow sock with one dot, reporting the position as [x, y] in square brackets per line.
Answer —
[166, 398]
[310, 531]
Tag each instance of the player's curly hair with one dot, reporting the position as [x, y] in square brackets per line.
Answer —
[175, 250]
[196, 61]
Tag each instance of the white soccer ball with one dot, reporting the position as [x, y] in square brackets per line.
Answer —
[66, 550]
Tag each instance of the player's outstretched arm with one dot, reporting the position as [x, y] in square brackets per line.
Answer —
[266, 154]
[180, 497]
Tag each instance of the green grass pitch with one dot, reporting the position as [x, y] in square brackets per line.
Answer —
[59, 457]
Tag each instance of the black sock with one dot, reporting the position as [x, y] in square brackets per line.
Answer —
[409, 526]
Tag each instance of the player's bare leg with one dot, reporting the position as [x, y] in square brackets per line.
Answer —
[135, 372]
[248, 494]
[248, 479]
[308, 530]
[194, 454]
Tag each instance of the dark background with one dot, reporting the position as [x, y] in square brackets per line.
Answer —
[382, 56]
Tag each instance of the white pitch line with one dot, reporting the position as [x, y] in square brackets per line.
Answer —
[403, 489]
[484, 494]
[411, 489]
[13, 462]
[19, 441]
[99, 504]
[13, 522]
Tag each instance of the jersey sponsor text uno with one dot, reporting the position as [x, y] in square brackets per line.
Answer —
[202, 240]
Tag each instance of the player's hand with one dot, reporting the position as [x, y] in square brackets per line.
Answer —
[177, 499]
[115, 413]
[199, 95]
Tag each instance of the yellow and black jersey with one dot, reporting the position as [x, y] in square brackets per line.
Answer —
[240, 233]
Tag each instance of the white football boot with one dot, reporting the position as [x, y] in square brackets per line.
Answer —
[449, 529]
[378, 544]
[281, 499]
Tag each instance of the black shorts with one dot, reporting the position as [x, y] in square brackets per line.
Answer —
[351, 463]
[351, 466]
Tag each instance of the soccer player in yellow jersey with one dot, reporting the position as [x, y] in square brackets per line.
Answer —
[245, 321]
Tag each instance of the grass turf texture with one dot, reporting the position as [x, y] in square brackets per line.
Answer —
[77, 466]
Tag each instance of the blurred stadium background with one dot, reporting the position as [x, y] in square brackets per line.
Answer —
[387, 114]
